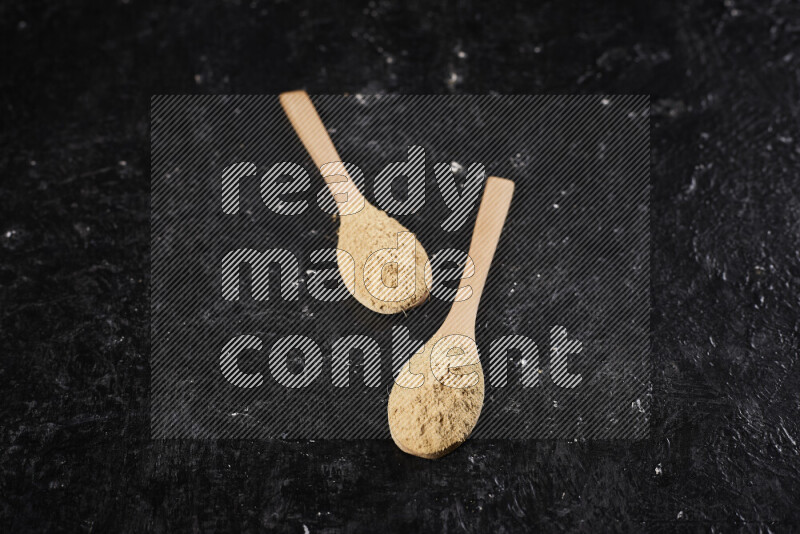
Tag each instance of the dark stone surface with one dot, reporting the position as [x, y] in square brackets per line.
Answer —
[76, 81]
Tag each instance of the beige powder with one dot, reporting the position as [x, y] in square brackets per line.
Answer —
[433, 419]
[367, 232]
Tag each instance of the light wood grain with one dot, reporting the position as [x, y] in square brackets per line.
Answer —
[312, 133]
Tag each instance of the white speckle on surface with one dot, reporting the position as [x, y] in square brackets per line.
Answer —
[456, 167]
[513, 289]
[658, 470]
[555, 206]
[305, 530]
[198, 79]
[537, 49]
[518, 160]
[692, 186]
[794, 443]
[605, 101]
[681, 515]
[83, 229]
[453, 79]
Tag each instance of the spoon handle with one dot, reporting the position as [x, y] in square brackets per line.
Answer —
[488, 227]
[309, 128]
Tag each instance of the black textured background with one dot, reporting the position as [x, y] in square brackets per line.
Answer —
[75, 85]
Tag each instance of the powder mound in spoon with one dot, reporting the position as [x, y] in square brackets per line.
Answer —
[432, 420]
[398, 285]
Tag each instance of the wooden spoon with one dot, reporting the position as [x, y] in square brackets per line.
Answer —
[438, 394]
[383, 280]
